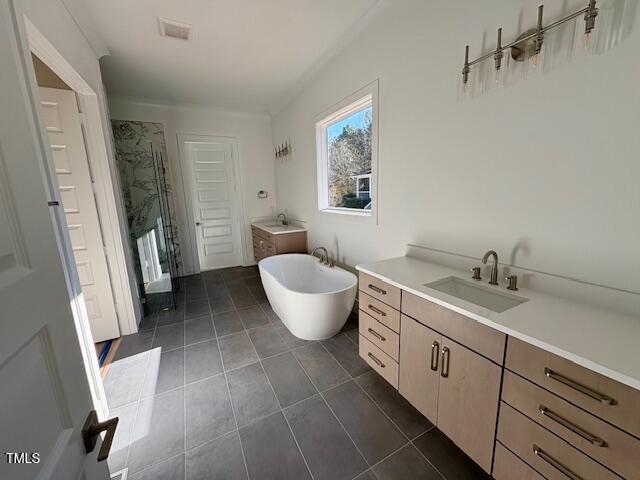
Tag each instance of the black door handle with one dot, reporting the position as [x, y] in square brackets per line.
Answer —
[92, 429]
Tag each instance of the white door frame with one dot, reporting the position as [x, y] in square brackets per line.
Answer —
[35, 42]
[120, 270]
[186, 191]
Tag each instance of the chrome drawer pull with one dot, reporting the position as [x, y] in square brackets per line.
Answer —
[592, 439]
[373, 357]
[377, 335]
[377, 289]
[606, 400]
[435, 346]
[445, 363]
[554, 463]
[377, 310]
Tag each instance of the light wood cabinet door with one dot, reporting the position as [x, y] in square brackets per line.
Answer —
[464, 330]
[468, 401]
[419, 366]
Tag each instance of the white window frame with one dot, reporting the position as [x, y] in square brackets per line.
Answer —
[363, 98]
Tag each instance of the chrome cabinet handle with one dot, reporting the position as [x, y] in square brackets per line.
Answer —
[373, 357]
[376, 310]
[377, 289]
[592, 439]
[554, 463]
[376, 334]
[445, 362]
[604, 399]
[435, 347]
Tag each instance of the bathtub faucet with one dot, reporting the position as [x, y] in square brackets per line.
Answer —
[325, 256]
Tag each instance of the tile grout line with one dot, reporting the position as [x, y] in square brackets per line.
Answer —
[383, 459]
[157, 463]
[332, 413]
[281, 411]
[382, 410]
[184, 390]
[351, 377]
[233, 410]
[410, 441]
[135, 419]
[425, 457]
[289, 349]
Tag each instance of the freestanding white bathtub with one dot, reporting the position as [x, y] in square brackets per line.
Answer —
[313, 300]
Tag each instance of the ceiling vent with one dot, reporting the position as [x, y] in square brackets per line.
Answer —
[173, 29]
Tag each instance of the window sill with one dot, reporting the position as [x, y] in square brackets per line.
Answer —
[348, 211]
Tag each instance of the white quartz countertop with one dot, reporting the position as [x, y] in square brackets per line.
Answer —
[601, 340]
[276, 228]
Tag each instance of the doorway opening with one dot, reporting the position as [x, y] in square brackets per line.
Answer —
[84, 208]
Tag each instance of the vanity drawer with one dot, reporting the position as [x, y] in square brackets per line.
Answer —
[382, 337]
[382, 312]
[610, 446]
[507, 466]
[612, 401]
[265, 248]
[473, 335]
[379, 361]
[554, 458]
[257, 252]
[258, 232]
[380, 290]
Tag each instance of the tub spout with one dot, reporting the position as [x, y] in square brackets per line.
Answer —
[325, 255]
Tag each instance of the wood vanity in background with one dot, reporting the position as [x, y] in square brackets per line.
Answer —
[518, 411]
[268, 241]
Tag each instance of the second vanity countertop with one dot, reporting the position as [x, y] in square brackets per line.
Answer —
[275, 228]
[601, 340]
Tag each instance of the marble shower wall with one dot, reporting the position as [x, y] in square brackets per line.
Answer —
[148, 196]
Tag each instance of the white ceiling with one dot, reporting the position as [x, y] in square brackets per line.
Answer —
[244, 54]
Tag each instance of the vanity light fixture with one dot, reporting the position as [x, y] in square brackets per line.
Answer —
[590, 22]
[539, 39]
[498, 55]
[528, 46]
[282, 150]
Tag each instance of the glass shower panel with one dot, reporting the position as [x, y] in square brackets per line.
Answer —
[141, 158]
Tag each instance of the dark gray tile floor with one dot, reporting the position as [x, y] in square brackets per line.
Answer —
[220, 389]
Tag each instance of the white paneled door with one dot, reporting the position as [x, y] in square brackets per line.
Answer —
[45, 394]
[62, 121]
[214, 200]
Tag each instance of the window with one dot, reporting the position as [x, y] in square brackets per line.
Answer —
[347, 156]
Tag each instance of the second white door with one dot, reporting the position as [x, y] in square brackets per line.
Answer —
[62, 121]
[213, 187]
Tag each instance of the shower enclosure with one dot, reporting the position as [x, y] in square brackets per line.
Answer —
[141, 159]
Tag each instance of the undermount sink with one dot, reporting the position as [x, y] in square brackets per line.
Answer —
[477, 294]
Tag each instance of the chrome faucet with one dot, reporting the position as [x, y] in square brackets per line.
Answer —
[283, 218]
[325, 258]
[494, 267]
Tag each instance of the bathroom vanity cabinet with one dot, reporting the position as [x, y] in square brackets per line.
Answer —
[518, 411]
[268, 241]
